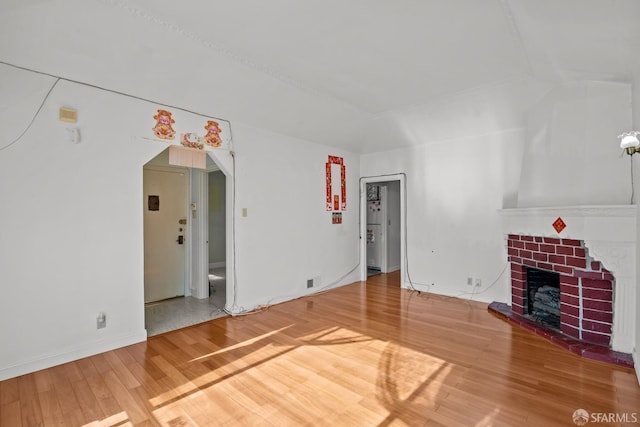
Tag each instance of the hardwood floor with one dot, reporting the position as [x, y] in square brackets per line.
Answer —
[361, 355]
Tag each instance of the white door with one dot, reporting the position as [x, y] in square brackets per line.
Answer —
[164, 234]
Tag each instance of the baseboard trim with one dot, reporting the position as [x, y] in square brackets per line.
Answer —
[90, 349]
[393, 268]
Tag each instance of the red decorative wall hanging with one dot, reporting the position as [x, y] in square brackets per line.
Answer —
[163, 128]
[559, 225]
[335, 202]
[212, 137]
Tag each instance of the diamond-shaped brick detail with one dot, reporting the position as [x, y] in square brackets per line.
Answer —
[559, 225]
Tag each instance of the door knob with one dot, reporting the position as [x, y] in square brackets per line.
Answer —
[180, 240]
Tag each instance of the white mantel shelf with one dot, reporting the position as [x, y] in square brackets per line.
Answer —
[575, 211]
[604, 222]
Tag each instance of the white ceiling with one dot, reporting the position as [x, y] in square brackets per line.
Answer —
[365, 75]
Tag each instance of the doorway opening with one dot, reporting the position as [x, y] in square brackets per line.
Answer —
[185, 224]
[382, 225]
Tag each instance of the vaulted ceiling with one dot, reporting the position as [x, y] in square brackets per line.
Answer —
[366, 75]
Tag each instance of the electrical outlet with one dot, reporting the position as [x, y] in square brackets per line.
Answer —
[478, 283]
[101, 321]
[469, 281]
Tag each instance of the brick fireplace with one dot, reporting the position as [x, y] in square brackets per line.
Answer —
[586, 288]
[595, 259]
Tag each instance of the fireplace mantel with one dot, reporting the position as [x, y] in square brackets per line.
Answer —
[604, 222]
[609, 235]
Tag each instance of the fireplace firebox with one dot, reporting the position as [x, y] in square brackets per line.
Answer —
[543, 297]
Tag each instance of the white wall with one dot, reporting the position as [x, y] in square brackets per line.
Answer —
[572, 155]
[454, 190]
[636, 164]
[72, 233]
[71, 219]
[287, 236]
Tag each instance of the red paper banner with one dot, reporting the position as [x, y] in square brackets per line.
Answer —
[334, 204]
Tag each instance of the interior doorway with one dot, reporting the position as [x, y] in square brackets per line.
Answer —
[216, 243]
[194, 295]
[383, 226]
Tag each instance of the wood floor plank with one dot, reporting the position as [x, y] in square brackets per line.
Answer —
[9, 392]
[30, 410]
[87, 400]
[10, 414]
[43, 380]
[363, 354]
[51, 412]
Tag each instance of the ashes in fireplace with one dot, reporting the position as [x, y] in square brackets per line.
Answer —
[543, 297]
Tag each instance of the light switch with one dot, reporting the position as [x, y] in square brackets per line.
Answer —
[244, 212]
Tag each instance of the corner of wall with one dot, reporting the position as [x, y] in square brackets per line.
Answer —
[636, 363]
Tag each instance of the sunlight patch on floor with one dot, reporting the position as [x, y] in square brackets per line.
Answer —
[304, 371]
[118, 419]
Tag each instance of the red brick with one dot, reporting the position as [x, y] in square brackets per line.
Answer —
[568, 280]
[517, 267]
[569, 310]
[569, 330]
[595, 265]
[598, 294]
[518, 274]
[570, 299]
[513, 251]
[596, 305]
[596, 338]
[529, 263]
[564, 250]
[589, 274]
[579, 252]
[515, 259]
[518, 244]
[514, 237]
[540, 257]
[517, 309]
[526, 238]
[597, 284]
[571, 242]
[608, 276]
[569, 320]
[604, 328]
[556, 259]
[532, 246]
[550, 249]
[515, 299]
[545, 266]
[538, 239]
[552, 240]
[520, 292]
[576, 262]
[563, 269]
[600, 316]
[569, 290]
[520, 284]
[525, 254]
